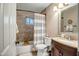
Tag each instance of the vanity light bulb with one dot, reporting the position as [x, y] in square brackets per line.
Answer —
[55, 8]
[65, 3]
[60, 5]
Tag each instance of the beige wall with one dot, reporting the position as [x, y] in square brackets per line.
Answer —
[78, 26]
[51, 21]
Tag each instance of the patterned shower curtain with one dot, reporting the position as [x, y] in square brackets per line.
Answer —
[39, 28]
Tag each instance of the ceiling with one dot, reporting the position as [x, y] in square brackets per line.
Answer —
[34, 7]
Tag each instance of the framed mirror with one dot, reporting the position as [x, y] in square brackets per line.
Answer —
[69, 19]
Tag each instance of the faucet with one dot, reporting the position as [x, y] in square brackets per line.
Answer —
[69, 37]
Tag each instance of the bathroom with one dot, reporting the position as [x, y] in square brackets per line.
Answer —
[39, 29]
[53, 29]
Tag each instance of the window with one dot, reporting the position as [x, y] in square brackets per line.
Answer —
[29, 21]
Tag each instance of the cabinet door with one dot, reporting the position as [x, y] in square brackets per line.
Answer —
[1, 27]
[56, 52]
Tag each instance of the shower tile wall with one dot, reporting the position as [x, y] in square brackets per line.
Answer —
[23, 34]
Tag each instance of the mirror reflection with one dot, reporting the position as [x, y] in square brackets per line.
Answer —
[69, 20]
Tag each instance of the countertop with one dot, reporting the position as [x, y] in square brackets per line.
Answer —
[71, 43]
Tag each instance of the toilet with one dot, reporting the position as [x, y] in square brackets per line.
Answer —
[42, 47]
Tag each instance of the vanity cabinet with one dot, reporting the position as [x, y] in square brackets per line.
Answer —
[59, 49]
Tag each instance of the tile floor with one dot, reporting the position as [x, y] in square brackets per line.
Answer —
[27, 51]
[24, 50]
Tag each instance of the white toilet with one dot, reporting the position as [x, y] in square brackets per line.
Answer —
[42, 48]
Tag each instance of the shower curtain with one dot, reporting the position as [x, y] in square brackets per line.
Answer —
[39, 28]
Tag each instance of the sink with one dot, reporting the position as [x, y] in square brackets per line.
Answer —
[72, 43]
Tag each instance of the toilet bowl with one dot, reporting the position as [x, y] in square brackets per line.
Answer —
[42, 49]
[41, 46]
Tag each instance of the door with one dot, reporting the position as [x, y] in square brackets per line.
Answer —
[1, 28]
[8, 29]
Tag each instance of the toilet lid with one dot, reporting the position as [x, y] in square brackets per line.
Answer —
[41, 46]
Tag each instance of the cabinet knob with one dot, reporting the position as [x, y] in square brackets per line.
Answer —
[60, 53]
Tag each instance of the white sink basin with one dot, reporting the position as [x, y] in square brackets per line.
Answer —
[41, 46]
[71, 43]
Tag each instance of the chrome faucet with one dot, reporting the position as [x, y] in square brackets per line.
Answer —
[68, 37]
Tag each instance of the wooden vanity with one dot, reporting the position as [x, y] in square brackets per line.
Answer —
[62, 48]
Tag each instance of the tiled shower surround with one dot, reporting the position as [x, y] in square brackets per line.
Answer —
[26, 32]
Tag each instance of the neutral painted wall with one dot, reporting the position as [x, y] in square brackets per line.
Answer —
[78, 28]
[51, 21]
